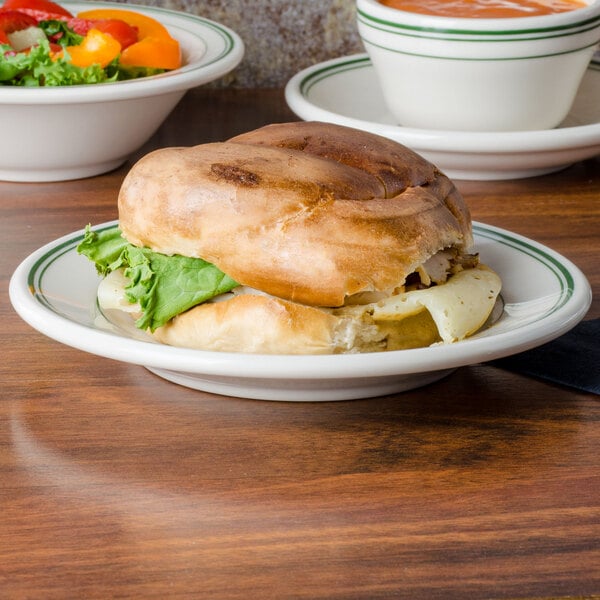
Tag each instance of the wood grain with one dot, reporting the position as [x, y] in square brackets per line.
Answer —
[117, 484]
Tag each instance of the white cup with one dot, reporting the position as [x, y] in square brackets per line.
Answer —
[479, 74]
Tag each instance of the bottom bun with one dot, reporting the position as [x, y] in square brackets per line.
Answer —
[256, 324]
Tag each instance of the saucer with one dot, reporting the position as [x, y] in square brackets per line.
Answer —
[346, 91]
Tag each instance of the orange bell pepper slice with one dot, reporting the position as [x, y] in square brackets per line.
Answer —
[155, 47]
[152, 52]
[97, 48]
[147, 26]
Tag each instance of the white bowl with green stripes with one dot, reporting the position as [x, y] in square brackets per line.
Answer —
[477, 74]
[77, 131]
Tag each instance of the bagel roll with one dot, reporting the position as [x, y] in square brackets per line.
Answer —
[325, 232]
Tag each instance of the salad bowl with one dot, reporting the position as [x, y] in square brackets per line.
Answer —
[57, 133]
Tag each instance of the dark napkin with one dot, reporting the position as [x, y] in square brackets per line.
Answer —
[573, 359]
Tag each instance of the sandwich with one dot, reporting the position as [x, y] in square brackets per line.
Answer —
[295, 238]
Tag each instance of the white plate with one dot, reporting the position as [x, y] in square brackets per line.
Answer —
[545, 295]
[345, 91]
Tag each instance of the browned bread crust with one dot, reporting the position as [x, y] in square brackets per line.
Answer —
[307, 211]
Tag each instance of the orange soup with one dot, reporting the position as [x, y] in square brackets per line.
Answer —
[486, 9]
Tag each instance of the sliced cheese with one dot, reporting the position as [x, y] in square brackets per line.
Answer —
[459, 307]
[111, 293]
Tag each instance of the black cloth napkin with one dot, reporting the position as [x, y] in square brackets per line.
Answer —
[573, 359]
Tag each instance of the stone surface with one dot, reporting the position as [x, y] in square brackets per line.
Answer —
[281, 37]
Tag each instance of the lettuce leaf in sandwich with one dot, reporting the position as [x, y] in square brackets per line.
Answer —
[163, 286]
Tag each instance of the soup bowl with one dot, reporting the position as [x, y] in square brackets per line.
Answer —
[71, 132]
[479, 74]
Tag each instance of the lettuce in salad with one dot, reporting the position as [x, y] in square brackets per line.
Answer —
[60, 33]
[39, 66]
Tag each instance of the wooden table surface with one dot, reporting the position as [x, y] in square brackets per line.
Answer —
[117, 484]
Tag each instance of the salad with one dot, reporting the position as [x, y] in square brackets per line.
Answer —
[43, 44]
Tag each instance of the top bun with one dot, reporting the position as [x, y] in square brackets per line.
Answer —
[307, 211]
